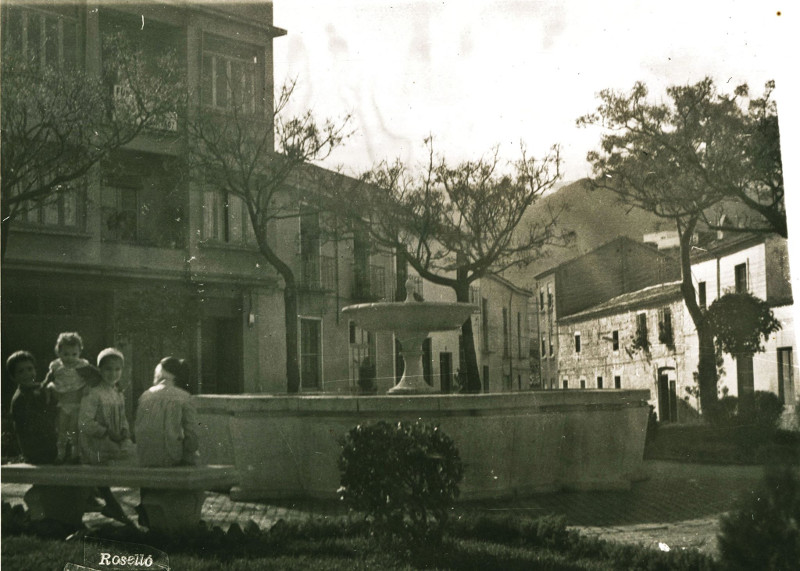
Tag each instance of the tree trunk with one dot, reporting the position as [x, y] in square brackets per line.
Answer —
[707, 362]
[707, 369]
[472, 373]
[292, 349]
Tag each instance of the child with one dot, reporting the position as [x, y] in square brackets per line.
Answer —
[33, 411]
[104, 430]
[104, 433]
[67, 377]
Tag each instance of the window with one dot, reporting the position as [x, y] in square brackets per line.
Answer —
[62, 209]
[361, 266]
[599, 382]
[42, 38]
[544, 347]
[583, 383]
[617, 382]
[577, 342]
[701, 295]
[550, 335]
[615, 340]
[309, 248]
[549, 298]
[565, 384]
[665, 332]
[740, 275]
[233, 76]
[226, 219]
[485, 323]
[519, 335]
[505, 333]
[310, 353]
[541, 299]
[640, 340]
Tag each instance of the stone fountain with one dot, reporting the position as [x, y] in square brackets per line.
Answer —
[511, 443]
[411, 321]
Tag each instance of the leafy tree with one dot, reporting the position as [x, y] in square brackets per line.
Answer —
[57, 123]
[455, 224]
[264, 160]
[740, 321]
[679, 158]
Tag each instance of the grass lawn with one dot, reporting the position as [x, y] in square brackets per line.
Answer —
[31, 553]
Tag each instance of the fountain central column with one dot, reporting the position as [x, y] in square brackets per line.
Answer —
[413, 379]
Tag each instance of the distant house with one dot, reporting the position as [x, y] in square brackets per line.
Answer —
[759, 265]
[646, 339]
[620, 266]
[637, 340]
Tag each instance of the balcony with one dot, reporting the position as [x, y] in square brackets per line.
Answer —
[318, 273]
[369, 284]
[167, 122]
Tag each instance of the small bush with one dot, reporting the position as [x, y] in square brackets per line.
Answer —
[403, 476]
[768, 409]
[764, 533]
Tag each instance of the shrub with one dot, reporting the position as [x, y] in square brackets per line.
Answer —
[764, 533]
[403, 476]
[768, 409]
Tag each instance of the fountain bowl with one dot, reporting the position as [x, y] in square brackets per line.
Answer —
[424, 316]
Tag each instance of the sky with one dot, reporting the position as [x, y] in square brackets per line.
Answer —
[475, 74]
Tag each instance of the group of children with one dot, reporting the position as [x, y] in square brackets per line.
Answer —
[77, 414]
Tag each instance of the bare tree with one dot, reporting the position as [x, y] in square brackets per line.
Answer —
[57, 123]
[681, 158]
[264, 161]
[458, 223]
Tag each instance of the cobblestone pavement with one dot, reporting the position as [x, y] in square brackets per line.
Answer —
[678, 505]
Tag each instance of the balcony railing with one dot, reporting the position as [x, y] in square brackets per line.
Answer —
[319, 273]
[167, 122]
[369, 283]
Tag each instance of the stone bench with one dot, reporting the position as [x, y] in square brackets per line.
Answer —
[172, 498]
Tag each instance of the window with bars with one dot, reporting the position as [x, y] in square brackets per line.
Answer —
[665, 331]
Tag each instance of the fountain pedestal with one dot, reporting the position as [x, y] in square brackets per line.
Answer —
[413, 380]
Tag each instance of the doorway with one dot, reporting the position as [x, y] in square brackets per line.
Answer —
[446, 371]
[221, 355]
[667, 398]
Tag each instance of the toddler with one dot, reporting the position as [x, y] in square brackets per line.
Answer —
[67, 378]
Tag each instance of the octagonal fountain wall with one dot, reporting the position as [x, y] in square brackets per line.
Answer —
[510, 443]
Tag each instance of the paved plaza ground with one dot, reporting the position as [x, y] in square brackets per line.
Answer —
[677, 505]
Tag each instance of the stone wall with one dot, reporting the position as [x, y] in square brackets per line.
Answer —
[511, 444]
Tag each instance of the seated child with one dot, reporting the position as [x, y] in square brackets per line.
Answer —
[104, 435]
[33, 411]
[67, 377]
[104, 432]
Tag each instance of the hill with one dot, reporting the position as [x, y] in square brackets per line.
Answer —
[595, 217]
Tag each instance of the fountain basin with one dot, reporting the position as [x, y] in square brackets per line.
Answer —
[511, 444]
[409, 316]
[411, 323]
